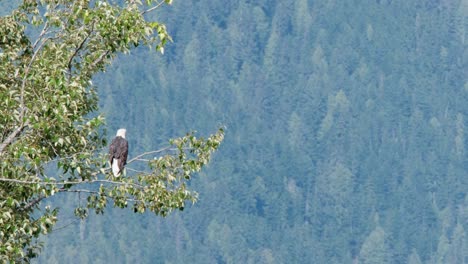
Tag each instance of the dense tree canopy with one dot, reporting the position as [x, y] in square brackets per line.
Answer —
[51, 138]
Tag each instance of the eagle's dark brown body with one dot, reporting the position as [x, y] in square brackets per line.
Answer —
[118, 153]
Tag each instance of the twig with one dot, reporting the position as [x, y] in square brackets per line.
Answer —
[77, 50]
[43, 32]
[32, 203]
[79, 191]
[12, 136]
[66, 225]
[98, 60]
[145, 160]
[150, 152]
[153, 8]
[137, 171]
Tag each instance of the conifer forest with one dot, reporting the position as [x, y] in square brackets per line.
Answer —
[345, 135]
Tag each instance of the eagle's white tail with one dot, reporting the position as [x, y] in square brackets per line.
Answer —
[115, 168]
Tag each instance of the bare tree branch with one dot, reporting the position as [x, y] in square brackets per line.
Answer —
[153, 152]
[41, 35]
[137, 171]
[153, 8]
[150, 152]
[66, 225]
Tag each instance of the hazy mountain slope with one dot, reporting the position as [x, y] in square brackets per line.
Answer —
[346, 135]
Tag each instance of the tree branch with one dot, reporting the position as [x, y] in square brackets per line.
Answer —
[26, 71]
[42, 197]
[70, 182]
[66, 225]
[15, 133]
[24, 124]
[101, 58]
[32, 203]
[153, 152]
[153, 8]
[38, 199]
[150, 152]
[94, 192]
[62, 190]
[137, 171]
[43, 32]
[77, 50]
[12, 137]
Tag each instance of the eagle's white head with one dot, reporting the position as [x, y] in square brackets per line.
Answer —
[121, 132]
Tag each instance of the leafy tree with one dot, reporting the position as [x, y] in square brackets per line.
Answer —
[49, 52]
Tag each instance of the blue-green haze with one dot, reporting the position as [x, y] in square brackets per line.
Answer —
[346, 137]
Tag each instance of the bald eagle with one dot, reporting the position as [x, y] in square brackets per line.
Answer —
[118, 152]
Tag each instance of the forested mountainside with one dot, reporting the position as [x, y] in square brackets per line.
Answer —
[346, 135]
